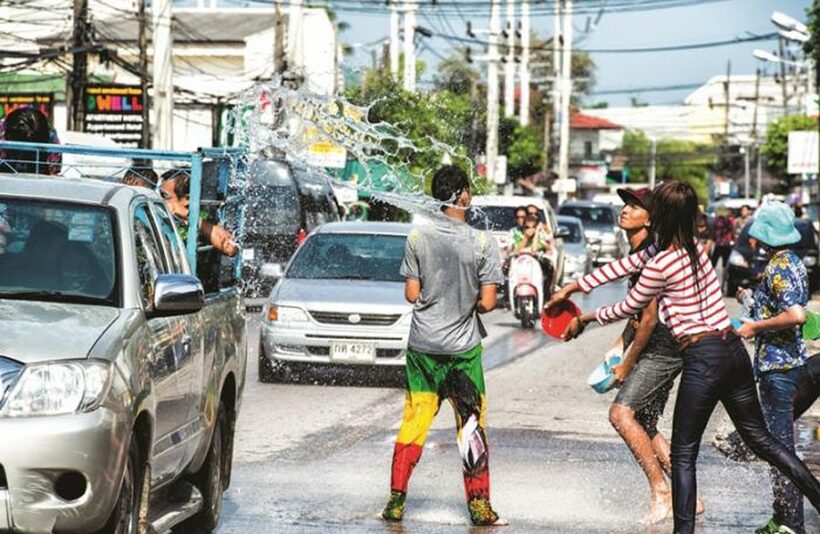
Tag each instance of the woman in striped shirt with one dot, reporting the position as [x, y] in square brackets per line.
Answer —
[716, 365]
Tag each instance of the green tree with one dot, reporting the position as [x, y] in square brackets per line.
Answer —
[675, 159]
[455, 75]
[523, 147]
[776, 147]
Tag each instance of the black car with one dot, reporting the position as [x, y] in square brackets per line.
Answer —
[746, 264]
[283, 206]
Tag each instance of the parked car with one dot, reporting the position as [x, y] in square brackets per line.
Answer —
[120, 379]
[600, 222]
[578, 254]
[283, 206]
[496, 214]
[340, 301]
[746, 264]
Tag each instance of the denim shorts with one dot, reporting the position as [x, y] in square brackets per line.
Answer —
[646, 388]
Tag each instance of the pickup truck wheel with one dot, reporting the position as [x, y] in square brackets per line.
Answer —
[130, 511]
[210, 479]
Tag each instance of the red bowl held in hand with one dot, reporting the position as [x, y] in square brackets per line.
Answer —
[556, 318]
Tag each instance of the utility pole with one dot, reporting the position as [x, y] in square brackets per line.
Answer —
[759, 174]
[409, 46]
[79, 68]
[726, 96]
[509, 63]
[556, 85]
[163, 124]
[279, 63]
[492, 90]
[783, 84]
[566, 94]
[746, 174]
[394, 41]
[653, 163]
[757, 105]
[524, 103]
[143, 46]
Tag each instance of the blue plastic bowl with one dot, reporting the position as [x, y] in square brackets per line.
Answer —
[602, 379]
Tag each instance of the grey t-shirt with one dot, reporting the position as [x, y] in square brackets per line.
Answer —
[452, 261]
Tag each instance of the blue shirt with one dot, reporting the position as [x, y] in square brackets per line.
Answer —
[784, 284]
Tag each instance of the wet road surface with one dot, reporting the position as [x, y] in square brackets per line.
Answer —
[315, 456]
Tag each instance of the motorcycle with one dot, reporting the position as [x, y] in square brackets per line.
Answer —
[525, 288]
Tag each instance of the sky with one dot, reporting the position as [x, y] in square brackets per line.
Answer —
[705, 22]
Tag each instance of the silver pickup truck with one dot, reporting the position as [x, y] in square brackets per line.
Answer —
[120, 378]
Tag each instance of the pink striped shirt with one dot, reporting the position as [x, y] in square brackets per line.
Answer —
[683, 306]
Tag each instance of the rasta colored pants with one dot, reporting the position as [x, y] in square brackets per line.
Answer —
[431, 378]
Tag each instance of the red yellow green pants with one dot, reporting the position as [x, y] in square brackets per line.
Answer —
[431, 378]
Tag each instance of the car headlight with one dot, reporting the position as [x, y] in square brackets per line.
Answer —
[809, 261]
[58, 388]
[737, 259]
[286, 314]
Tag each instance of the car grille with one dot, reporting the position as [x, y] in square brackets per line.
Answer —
[368, 319]
[380, 353]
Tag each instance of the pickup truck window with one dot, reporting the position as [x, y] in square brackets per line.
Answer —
[149, 263]
[173, 243]
[57, 251]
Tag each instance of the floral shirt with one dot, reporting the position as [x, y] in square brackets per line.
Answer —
[784, 284]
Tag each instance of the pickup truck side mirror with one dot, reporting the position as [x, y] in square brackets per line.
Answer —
[177, 294]
[562, 232]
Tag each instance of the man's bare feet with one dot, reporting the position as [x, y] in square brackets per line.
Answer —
[660, 507]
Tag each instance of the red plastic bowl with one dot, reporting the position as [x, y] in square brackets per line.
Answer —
[556, 318]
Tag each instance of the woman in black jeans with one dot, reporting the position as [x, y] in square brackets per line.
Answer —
[716, 365]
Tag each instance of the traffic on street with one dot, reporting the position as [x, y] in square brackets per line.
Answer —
[406, 266]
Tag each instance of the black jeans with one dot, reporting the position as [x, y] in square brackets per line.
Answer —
[716, 369]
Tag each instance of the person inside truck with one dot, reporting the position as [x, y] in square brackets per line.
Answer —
[28, 125]
[175, 190]
[141, 177]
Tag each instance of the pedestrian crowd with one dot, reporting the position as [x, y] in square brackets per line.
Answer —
[677, 323]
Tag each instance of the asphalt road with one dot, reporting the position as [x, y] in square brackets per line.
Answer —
[315, 456]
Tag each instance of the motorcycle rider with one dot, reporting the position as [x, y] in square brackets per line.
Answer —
[532, 241]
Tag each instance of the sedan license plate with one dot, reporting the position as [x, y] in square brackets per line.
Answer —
[352, 352]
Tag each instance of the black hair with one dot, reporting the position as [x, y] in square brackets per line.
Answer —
[674, 217]
[141, 176]
[182, 185]
[448, 183]
[532, 206]
[521, 208]
[27, 125]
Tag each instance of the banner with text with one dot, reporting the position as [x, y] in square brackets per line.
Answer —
[115, 111]
[41, 101]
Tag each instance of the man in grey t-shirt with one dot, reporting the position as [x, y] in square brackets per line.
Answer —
[451, 273]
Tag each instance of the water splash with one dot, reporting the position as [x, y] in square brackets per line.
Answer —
[275, 121]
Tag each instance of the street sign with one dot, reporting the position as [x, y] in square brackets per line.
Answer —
[44, 102]
[803, 152]
[500, 176]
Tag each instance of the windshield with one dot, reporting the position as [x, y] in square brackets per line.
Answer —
[494, 218]
[55, 251]
[349, 257]
[597, 216]
[574, 230]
